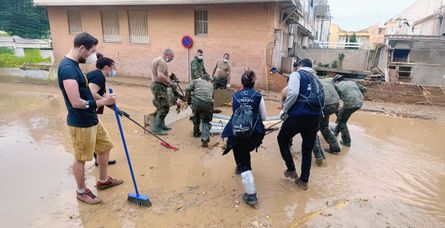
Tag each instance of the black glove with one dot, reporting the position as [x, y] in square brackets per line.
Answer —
[174, 78]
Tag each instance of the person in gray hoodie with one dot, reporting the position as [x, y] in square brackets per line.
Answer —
[299, 118]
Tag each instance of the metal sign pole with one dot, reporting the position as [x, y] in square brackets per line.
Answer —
[188, 65]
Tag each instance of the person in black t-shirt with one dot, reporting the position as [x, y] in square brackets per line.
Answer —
[97, 83]
[86, 130]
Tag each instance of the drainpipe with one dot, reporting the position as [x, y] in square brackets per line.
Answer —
[439, 21]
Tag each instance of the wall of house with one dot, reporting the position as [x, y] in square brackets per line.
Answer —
[431, 56]
[243, 30]
[428, 57]
[376, 35]
[355, 59]
[431, 75]
[382, 63]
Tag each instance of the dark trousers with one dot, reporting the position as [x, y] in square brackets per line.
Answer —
[202, 113]
[307, 126]
[242, 148]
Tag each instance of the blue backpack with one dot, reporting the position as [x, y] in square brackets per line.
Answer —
[242, 120]
[315, 100]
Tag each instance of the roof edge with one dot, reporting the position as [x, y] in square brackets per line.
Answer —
[139, 2]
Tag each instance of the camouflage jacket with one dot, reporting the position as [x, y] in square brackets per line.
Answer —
[331, 95]
[198, 68]
[200, 89]
[351, 94]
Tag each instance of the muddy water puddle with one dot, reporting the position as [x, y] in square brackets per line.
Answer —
[392, 176]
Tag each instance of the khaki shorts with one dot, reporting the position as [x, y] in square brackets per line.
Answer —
[88, 140]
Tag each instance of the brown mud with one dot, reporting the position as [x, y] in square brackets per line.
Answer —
[392, 176]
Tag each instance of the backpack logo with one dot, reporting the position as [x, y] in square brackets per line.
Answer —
[242, 122]
[315, 100]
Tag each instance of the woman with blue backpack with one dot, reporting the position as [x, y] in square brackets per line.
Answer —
[245, 131]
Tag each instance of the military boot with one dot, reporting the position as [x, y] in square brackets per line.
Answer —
[196, 132]
[164, 127]
[205, 143]
[156, 126]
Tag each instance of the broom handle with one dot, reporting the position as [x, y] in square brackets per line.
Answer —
[125, 146]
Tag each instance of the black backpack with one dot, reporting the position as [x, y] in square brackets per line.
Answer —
[242, 120]
[315, 100]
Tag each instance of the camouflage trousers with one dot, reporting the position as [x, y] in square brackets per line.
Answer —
[327, 134]
[202, 114]
[160, 100]
[343, 116]
[220, 83]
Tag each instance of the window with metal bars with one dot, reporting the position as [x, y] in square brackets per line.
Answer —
[138, 25]
[201, 22]
[110, 25]
[74, 21]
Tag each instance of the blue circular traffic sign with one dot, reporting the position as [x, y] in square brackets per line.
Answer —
[187, 41]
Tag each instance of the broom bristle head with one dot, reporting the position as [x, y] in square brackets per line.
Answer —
[139, 200]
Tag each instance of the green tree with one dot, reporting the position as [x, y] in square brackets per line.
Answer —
[22, 18]
[353, 40]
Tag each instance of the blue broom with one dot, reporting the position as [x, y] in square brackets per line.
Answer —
[133, 198]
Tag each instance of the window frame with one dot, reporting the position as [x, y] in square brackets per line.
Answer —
[130, 33]
[69, 14]
[119, 40]
[201, 24]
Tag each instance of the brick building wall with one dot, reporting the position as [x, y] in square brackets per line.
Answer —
[246, 31]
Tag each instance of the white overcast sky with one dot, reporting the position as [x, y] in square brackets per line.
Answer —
[354, 15]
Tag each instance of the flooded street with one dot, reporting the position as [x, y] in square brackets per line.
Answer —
[392, 176]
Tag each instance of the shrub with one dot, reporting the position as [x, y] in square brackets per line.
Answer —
[8, 59]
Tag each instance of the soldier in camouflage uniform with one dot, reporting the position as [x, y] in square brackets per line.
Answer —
[200, 95]
[351, 94]
[159, 86]
[331, 102]
[198, 68]
[221, 73]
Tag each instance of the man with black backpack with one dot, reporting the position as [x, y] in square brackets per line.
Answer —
[301, 115]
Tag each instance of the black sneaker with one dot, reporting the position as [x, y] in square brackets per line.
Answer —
[250, 199]
[301, 184]
[196, 134]
[291, 174]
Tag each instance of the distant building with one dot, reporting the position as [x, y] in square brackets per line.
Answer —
[322, 21]
[415, 41]
[367, 38]
[423, 17]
